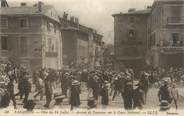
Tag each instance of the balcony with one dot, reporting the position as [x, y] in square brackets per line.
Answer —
[172, 49]
[51, 54]
[175, 20]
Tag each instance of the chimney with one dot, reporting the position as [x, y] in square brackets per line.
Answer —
[65, 16]
[22, 4]
[40, 5]
[132, 10]
[76, 20]
[149, 7]
[72, 19]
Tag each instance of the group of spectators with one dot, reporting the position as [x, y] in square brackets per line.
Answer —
[100, 83]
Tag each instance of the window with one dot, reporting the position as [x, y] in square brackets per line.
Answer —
[153, 40]
[131, 34]
[48, 27]
[49, 44]
[55, 28]
[23, 22]
[56, 45]
[132, 19]
[175, 38]
[4, 22]
[4, 43]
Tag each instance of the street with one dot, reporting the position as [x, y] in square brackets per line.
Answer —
[152, 101]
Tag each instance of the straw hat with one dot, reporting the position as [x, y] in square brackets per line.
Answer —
[145, 74]
[2, 84]
[75, 82]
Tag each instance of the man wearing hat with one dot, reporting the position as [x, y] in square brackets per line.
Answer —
[117, 86]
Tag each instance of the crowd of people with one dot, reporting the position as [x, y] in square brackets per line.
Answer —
[103, 84]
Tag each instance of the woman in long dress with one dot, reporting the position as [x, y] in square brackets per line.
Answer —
[75, 94]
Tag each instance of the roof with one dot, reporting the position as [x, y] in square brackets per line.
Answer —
[78, 27]
[23, 10]
[26, 10]
[145, 11]
[157, 2]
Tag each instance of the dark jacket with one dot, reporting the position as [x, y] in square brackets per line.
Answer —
[164, 94]
[75, 95]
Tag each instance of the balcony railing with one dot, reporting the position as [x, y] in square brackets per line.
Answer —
[51, 54]
[172, 49]
[175, 20]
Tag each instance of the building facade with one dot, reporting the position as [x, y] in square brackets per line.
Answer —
[82, 46]
[30, 36]
[130, 37]
[158, 31]
[167, 33]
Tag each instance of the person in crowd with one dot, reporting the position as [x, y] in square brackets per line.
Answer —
[93, 83]
[164, 93]
[4, 95]
[27, 87]
[112, 83]
[10, 87]
[48, 88]
[104, 94]
[84, 75]
[128, 94]
[174, 95]
[137, 97]
[117, 86]
[21, 83]
[36, 75]
[144, 86]
[40, 86]
[75, 94]
[64, 83]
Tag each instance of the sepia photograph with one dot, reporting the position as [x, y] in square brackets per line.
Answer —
[92, 55]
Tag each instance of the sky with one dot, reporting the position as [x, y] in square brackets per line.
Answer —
[96, 14]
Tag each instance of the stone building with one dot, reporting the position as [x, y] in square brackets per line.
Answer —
[166, 37]
[130, 37]
[151, 37]
[82, 46]
[30, 36]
